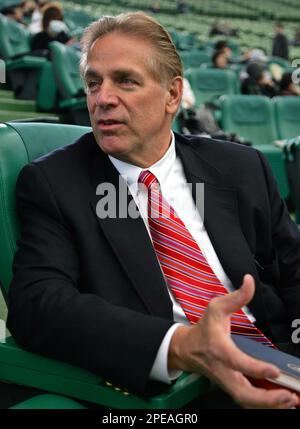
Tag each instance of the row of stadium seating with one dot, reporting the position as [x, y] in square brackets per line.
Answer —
[252, 33]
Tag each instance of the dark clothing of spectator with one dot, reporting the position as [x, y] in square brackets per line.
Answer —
[41, 40]
[251, 87]
[257, 82]
[280, 46]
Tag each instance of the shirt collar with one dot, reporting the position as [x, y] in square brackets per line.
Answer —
[160, 169]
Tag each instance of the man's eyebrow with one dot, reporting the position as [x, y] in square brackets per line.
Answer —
[126, 72]
[90, 73]
[116, 74]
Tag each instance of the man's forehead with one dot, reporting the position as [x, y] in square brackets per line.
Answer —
[120, 44]
[118, 53]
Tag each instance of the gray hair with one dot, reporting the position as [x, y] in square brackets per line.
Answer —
[165, 64]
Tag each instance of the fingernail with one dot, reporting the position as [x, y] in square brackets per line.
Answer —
[271, 373]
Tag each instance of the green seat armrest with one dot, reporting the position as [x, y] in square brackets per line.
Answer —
[26, 62]
[48, 402]
[23, 367]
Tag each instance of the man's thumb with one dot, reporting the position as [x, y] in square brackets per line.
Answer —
[234, 301]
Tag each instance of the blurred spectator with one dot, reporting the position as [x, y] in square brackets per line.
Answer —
[28, 8]
[259, 81]
[54, 29]
[222, 46]
[220, 28]
[257, 55]
[182, 6]
[36, 18]
[220, 60]
[280, 43]
[14, 12]
[155, 8]
[188, 99]
[287, 86]
[296, 40]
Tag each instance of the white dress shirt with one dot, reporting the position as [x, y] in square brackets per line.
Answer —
[170, 174]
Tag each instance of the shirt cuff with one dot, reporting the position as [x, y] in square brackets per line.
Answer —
[159, 371]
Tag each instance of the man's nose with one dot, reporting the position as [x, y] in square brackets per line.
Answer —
[106, 96]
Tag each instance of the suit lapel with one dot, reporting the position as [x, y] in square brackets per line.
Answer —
[131, 243]
[221, 220]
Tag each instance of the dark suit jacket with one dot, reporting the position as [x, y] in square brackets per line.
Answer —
[90, 291]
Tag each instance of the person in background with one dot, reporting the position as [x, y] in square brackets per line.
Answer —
[287, 86]
[280, 46]
[14, 12]
[258, 81]
[296, 41]
[220, 60]
[54, 29]
[35, 25]
[222, 46]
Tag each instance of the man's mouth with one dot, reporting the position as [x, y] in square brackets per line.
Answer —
[109, 124]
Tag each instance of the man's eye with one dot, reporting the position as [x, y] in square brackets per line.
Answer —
[92, 84]
[128, 81]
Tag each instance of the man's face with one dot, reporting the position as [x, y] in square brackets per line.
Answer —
[130, 111]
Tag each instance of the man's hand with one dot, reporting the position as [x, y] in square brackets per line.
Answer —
[206, 348]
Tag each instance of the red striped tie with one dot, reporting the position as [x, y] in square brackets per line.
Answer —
[189, 275]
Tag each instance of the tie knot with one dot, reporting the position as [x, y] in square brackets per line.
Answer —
[148, 179]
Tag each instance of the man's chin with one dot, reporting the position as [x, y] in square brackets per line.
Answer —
[111, 145]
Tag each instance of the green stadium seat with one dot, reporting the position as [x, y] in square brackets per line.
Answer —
[252, 117]
[19, 144]
[195, 58]
[70, 85]
[185, 41]
[287, 114]
[209, 84]
[292, 165]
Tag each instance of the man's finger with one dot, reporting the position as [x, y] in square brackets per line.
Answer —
[234, 301]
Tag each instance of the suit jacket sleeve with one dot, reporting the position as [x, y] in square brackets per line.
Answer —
[48, 313]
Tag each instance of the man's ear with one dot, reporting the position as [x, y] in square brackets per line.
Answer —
[175, 93]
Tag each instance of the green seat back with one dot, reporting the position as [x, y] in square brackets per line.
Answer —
[275, 158]
[185, 41]
[209, 84]
[65, 62]
[195, 58]
[21, 143]
[250, 116]
[14, 38]
[287, 114]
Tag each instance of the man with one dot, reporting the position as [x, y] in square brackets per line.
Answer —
[280, 46]
[95, 290]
